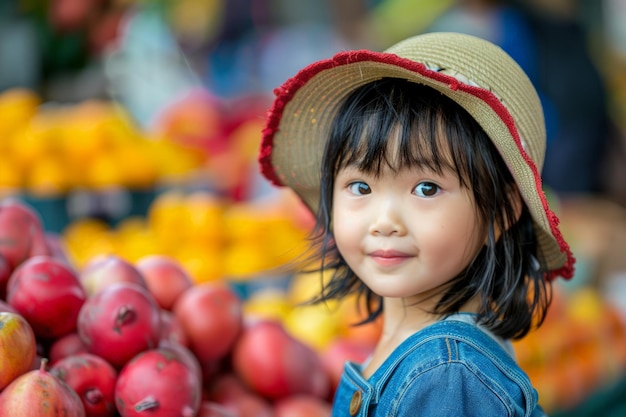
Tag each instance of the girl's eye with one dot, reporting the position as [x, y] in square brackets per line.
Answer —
[359, 188]
[426, 189]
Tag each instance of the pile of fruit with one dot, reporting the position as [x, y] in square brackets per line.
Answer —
[579, 349]
[212, 237]
[121, 338]
[52, 150]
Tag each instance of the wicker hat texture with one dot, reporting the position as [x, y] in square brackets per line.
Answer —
[473, 72]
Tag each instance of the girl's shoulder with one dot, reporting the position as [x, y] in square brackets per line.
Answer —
[452, 367]
[457, 338]
[458, 353]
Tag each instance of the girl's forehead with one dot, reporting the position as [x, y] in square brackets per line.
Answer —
[403, 149]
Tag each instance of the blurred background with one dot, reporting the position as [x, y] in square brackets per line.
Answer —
[132, 127]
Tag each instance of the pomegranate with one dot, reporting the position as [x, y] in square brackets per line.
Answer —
[20, 226]
[38, 393]
[211, 316]
[119, 322]
[64, 346]
[159, 383]
[92, 378]
[17, 347]
[102, 271]
[276, 365]
[48, 294]
[165, 277]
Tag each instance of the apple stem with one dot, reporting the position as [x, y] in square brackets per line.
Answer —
[148, 403]
[43, 364]
[93, 396]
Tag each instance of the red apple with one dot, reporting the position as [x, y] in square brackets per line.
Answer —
[276, 365]
[211, 316]
[17, 347]
[165, 278]
[158, 382]
[92, 378]
[21, 232]
[104, 270]
[120, 322]
[48, 294]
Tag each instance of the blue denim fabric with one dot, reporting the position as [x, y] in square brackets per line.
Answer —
[451, 368]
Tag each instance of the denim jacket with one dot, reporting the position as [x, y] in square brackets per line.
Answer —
[450, 368]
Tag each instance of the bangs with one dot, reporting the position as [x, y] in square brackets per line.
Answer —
[399, 124]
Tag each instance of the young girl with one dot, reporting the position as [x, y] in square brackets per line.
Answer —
[422, 167]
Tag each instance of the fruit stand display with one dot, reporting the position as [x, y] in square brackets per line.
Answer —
[196, 347]
[181, 307]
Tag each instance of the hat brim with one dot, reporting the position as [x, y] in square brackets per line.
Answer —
[299, 121]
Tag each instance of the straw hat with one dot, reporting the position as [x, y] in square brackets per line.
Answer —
[475, 73]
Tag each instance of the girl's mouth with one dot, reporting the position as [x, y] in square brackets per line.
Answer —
[389, 257]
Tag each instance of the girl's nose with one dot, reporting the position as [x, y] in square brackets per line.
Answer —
[388, 220]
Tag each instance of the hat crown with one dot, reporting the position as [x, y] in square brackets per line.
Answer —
[490, 68]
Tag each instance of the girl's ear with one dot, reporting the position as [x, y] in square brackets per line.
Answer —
[516, 202]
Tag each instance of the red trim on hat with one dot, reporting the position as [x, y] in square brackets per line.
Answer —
[285, 93]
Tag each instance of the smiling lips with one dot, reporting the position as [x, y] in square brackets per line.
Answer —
[389, 257]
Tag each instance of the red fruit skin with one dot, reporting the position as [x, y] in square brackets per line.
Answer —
[212, 409]
[211, 315]
[302, 406]
[20, 230]
[229, 391]
[7, 308]
[276, 365]
[119, 322]
[37, 393]
[171, 329]
[165, 278]
[5, 274]
[18, 347]
[338, 353]
[48, 294]
[105, 270]
[92, 378]
[158, 383]
[184, 355]
[65, 346]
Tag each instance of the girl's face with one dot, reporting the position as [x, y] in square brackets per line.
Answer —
[405, 232]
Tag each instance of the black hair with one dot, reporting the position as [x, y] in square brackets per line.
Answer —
[434, 131]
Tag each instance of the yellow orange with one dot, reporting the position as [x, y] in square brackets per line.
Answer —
[17, 107]
[11, 177]
[49, 177]
[316, 325]
[268, 303]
